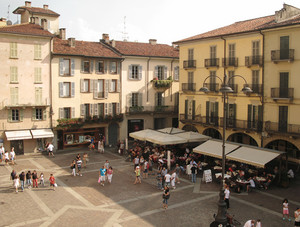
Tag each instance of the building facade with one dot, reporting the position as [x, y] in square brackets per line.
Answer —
[249, 53]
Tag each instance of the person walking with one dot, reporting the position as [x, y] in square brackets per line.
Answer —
[16, 183]
[79, 163]
[12, 155]
[34, 179]
[168, 180]
[146, 168]
[2, 151]
[177, 169]
[194, 172]
[6, 157]
[52, 181]
[297, 217]
[73, 168]
[285, 209]
[101, 146]
[13, 175]
[42, 181]
[85, 159]
[249, 223]
[173, 180]
[164, 171]
[166, 196]
[102, 173]
[137, 175]
[227, 196]
[50, 149]
[22, 180]
[28, 179]
[109, 174]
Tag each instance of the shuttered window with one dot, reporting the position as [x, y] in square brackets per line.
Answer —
[14, 95]
[176, 73]
[38, 95]
[66, 67]
[113, 67]
[13, 74]
[38, 75]
[37, 52]
[13, 50]
[38, 114]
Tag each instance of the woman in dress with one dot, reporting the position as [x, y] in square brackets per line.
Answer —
[109, 174]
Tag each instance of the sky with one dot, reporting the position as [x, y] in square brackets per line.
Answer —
[166, 21]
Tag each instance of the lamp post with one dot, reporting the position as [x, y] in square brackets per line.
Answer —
[221, 217]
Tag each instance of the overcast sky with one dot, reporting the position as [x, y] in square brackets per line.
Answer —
[164, 20]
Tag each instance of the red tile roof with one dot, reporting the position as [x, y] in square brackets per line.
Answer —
[35, 10]
[26, 29]
[83, 48]
[146, 49]
[257, 24]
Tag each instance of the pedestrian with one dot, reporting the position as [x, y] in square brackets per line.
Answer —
[168, 180]
[78, 156]
[285, 209]
[102, 173]
[79, 163]
[52, 181]
[42, 181]
[188, 170]
[173, 180]
[2, 151]
[22, 180]
[73, 168]
[166, 196]
[92, 144]
[164, 171]
[297, 217]
[12, 155]
[258, 223]
[101, 146]
[194, 172]
[28, 179]
[85, 159]
[137, 175]
[109, 174]
[50, 149]
[16, 183]
[34, 179]
[136, 162]
[146, 168]
[13, 175]
[177, 169]
[249, 223]
[6, 157]
[150, 165]
[227, 196]
[106, 165]
[159, 181]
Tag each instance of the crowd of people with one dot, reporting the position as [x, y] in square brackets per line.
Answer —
[7, 157]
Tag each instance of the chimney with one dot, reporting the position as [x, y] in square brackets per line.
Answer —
[62, 33]
[44, 24]
[45, 6]
[3, 22]
[152, 41]
[105, 37]
[27, 4]
[71, 42]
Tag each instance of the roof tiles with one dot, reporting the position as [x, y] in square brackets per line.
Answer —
[26, 29]
[36, 10]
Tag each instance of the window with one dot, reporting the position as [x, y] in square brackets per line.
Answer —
[176, 73]
[255, 48]
[113, 86]
[66, 89]
[254, 116]
[37, 51]
[85, 85]
[66, 112]
[113, 67]
[15, 115]
[212, 115]
[189, 112]
[134, 71]
[213, 86]
[159, 99]
[13, 50]
[231, 54]
[231, 81]
[135, 99]
[190, 54]
[38, 114]
[191, 81]
[38, 75]
[255, 81]
[14, 95]
[160, 72]
[213, 55]
[13, 74]
[99, 66]
[284, 47]
[38, 95]
[101, 109]
[114, 109]
[66, 67]
[100, 89]
[86, 66]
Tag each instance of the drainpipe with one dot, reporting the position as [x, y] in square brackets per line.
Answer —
[224, 54]
[147, 78]
[224, 99]
[50, 86]
[262, 86]
[171, 75]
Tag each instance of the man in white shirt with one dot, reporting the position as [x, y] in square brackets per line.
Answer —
[249, 223]
[50, 149]
[167, 180]
[227, 195]
[252, 184]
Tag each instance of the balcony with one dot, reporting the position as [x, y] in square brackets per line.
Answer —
[151, 109]
[242, 124]
[213, 87]
[162, 85]
[209, 120]
[99, 95]
[184, 118]
[189, 64]
[211, 62]
[186, 87]
[256, 88]
[282, 55]
[253, 60]
[280, 93]
[227, 62]
[282, 128]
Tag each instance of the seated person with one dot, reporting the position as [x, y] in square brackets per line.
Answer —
[251, 185]
[268, 182]
[290, 174]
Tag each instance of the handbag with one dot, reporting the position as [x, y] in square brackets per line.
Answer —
[99, 180]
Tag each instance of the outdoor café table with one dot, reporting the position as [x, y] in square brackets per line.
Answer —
[243, 183]
[220, 175]
[217, 168]
[261, 179]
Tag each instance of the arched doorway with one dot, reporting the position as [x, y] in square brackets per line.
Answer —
[214, 133]
[242, 138]
[283, 145]
[189, 128]
[113, 133]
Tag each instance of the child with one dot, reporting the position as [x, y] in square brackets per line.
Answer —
[52, 181]
[42, 182]
[16, 183]
[285, 210]
[109, 174]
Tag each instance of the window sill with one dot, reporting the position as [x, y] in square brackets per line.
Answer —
[13, 57]
[12, 82]
[100, 73]
[15, 121]
[40, 82]
[66, 97]
[37, 59]
[37, 120]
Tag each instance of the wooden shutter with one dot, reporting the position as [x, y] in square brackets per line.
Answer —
[249, 115]
[61, 66]
[33, 114]
[129, 100]
[9, 115]
[72, 67]
[163, 99]
[72, 89]
[110, 86]
[95, 109]
[118, 108]
[176, 73]
[106, 88]
[105, 66]
[110, 108]
[91, 109]
[61, 89]
[259, 123]
[156, 72]
[118, 67]
[95, 90]
[91, 85]
[165, 72]
[217, 113]
[207, 111]
[61, 112]
[21, 113]
[193, 110]
[73, 112]
[81, 85]
[140, 72]
[118, 86]
[82, 66]
[186, 106]
[96, 66]
[44, 114]
[140, 99]
[105, 109]
[130, 72]
[82, 110]
[91, 66]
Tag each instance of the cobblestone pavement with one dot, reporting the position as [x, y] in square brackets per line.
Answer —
[81, 201]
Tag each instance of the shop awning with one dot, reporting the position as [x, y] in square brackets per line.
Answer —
[171, 130]
[193, 137]
[18, 135]
[213, 148]
[42, 133]
[254, 155]
[142, 134]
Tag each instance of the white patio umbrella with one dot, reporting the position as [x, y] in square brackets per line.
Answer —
[193, 137]
[171, 130]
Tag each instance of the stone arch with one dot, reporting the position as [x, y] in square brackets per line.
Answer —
[242, 138]
[189, 128]
[284, 145]
[212, 132]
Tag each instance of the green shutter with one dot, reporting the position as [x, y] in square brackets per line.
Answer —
[9, 115]
[186, 109]
[33, 114]
[207, 112]
[217, 114]
[193, 113]
[249, 115]
[21, 114]
[44, 114]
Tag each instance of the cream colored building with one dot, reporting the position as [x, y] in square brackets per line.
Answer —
[150, 85]
[248, 52]
[25, 92]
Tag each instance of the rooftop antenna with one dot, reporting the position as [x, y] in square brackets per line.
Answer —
[8, 12]
[125, 34]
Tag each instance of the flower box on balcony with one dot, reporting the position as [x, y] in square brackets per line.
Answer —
[162, 84]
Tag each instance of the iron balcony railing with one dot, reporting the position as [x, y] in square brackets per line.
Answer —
[253, 60]
[282, 93]
[188, 87]
[230, 62]
[213, 87]
[151, 109]
[256, 88]
[189, 64]
[282, 55]
[282, 127]
[185, 118]
[212, 62]
[242, 124]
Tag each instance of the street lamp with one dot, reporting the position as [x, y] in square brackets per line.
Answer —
[221, 217]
